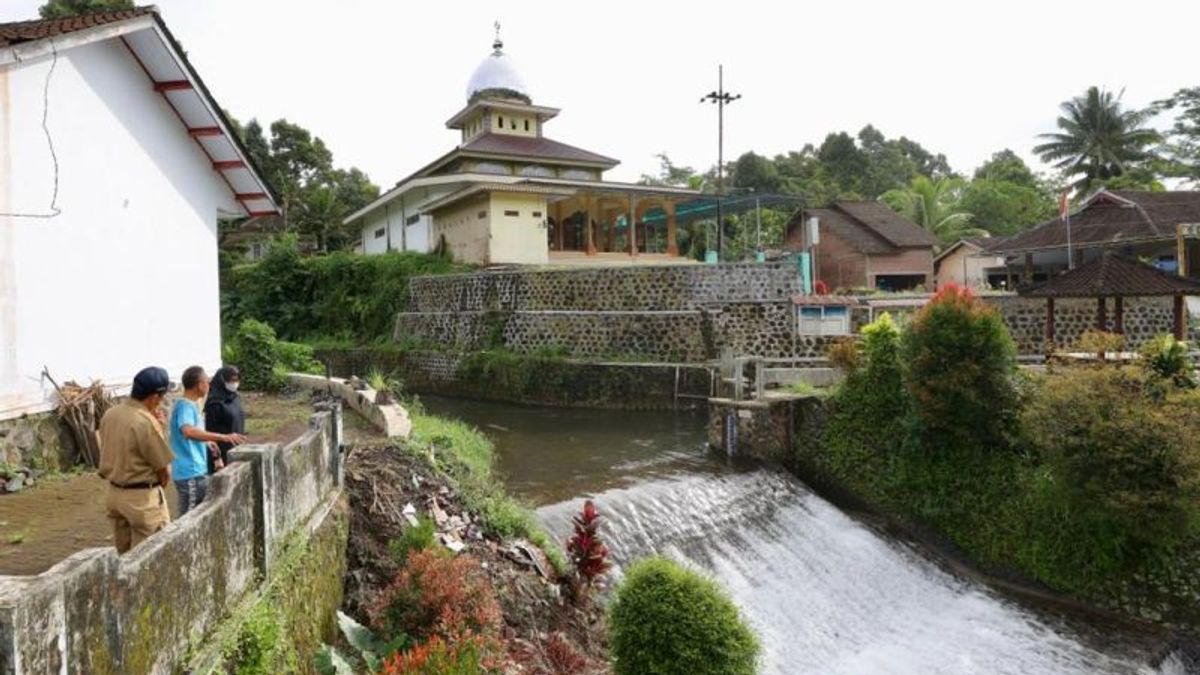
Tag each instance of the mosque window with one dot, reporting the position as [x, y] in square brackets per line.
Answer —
[413, 219]
[512, 124]
[512, 213]
[501, 119]
[481, 215]
[379, 233]
[526, 125]
[537, 214]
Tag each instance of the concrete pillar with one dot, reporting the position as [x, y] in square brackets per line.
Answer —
[1101, 314]
[590, 224]
[1027, 270]
[672, 244]
[1119, 315]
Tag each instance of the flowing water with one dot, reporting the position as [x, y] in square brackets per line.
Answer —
[826, 593]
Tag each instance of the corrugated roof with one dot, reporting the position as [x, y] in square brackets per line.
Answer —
[1112, 218]
[17, 32]
[536, 147]
[1113, 275]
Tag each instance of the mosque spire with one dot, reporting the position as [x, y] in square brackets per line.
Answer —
[497, 44]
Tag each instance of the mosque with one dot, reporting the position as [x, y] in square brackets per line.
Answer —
[509, 194]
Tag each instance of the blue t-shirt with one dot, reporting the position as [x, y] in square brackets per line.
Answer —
[191, 457]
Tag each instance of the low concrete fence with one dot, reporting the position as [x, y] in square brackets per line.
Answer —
[97, 612]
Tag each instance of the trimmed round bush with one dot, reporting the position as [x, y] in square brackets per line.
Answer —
[665, 619]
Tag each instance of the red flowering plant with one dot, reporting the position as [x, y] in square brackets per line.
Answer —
[588, 554]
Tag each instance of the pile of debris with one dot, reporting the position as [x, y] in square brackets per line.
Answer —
[81, 408]
[391, 490]
[17, 479]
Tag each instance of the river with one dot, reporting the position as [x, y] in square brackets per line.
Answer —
[826, 593]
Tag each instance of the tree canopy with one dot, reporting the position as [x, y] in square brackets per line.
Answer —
[57, 9]
[1099, 139]
[316, 195]
[1182, 150]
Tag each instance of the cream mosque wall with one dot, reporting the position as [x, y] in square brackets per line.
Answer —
[466, 229]
[519, 238]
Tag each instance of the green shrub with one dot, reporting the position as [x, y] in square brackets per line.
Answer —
[260, 646]
[336, 296]
[868, 407]
[265, 361]
[1167, 360]
[1126, 462]
[959, 365]
[414, 539]
[665, 619]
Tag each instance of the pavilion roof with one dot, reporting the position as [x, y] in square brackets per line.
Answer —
[1113, 275]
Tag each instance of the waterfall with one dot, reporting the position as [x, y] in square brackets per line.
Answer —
[828, 595]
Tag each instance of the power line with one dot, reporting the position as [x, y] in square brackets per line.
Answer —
[721, 98]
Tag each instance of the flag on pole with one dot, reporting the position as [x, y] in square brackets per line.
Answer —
[1064, 212]
[1064, 204]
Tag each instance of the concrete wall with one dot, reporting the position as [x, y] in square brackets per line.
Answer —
[97, 612]
[466, 229]
[903, 261]
[839, 264]
[965, 267]
[104, 288]
[517, 239]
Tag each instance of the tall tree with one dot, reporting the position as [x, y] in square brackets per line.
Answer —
[936, 206]
[671, 174]
[756, 172]
[843, 163]
[57, 9]
[1098, 139]
[1183, 146]
[1006, 166]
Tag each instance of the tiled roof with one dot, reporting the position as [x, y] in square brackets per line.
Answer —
[898, 230]
[870, 227]
[39, 29]
[1112, 218]
[1113, 275]
[537, 147]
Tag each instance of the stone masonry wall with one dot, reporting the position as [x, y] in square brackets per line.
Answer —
[41, 441]
[1026, 319]
[651, 288]
[97, 612]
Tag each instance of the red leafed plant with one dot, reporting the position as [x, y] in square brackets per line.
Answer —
[587, 552]
[562, 658]
[435, 657]
[438, 596]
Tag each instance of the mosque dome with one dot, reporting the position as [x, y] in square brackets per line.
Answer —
[497, 76]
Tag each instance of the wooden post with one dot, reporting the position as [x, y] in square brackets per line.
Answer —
[672, 244]
[1027, 270]
[633, 247]
[1177, 313]
[1049, 321]
[590, 224]
[1119, 315]
[1101, 314]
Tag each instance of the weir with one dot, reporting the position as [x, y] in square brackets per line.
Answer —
[826, 593]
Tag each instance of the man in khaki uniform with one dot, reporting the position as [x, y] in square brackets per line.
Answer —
[136, 461]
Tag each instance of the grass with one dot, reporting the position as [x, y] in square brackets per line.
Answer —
[806, 389]
[466, 455]
[16, 538]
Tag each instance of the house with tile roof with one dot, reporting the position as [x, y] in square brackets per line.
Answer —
[1162, 227]
[967, 264]
[116, 165]
[510, 194]
[865, 244]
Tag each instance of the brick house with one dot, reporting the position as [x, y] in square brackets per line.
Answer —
[866, 245]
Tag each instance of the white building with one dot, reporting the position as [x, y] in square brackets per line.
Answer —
[115, 165]
[507, 193]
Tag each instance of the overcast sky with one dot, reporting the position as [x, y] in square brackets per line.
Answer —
[377, 80]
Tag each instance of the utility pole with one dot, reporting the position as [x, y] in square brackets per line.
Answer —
[721, 98]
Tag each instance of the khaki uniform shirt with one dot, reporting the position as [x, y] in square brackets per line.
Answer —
[132, 446]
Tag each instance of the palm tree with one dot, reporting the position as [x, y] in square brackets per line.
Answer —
[1098, 139]
[934, 205]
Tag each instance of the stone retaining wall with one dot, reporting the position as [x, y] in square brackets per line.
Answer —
[649, 289]
[41, 441]
[97, 612]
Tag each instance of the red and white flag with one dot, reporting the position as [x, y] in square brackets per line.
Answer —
[1064, 204]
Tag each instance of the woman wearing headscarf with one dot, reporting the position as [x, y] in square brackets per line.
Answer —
[223, 413]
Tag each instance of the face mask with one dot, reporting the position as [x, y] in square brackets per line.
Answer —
[231, 386]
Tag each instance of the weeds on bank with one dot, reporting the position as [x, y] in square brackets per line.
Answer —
[466, 456]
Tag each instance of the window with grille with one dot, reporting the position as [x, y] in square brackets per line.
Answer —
[824, 320]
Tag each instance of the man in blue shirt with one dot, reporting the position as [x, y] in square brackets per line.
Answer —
[190, 443]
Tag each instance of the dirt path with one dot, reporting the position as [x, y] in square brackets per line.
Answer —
[50, 521]
[62, 515]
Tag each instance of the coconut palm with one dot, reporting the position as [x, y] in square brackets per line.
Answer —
[1098, 139]
[935, 206]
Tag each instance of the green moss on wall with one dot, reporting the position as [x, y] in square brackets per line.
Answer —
[281, 628]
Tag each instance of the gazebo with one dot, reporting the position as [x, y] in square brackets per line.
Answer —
[1117, 277]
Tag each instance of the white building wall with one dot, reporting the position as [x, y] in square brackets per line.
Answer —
[394, 217]
[126, 275]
